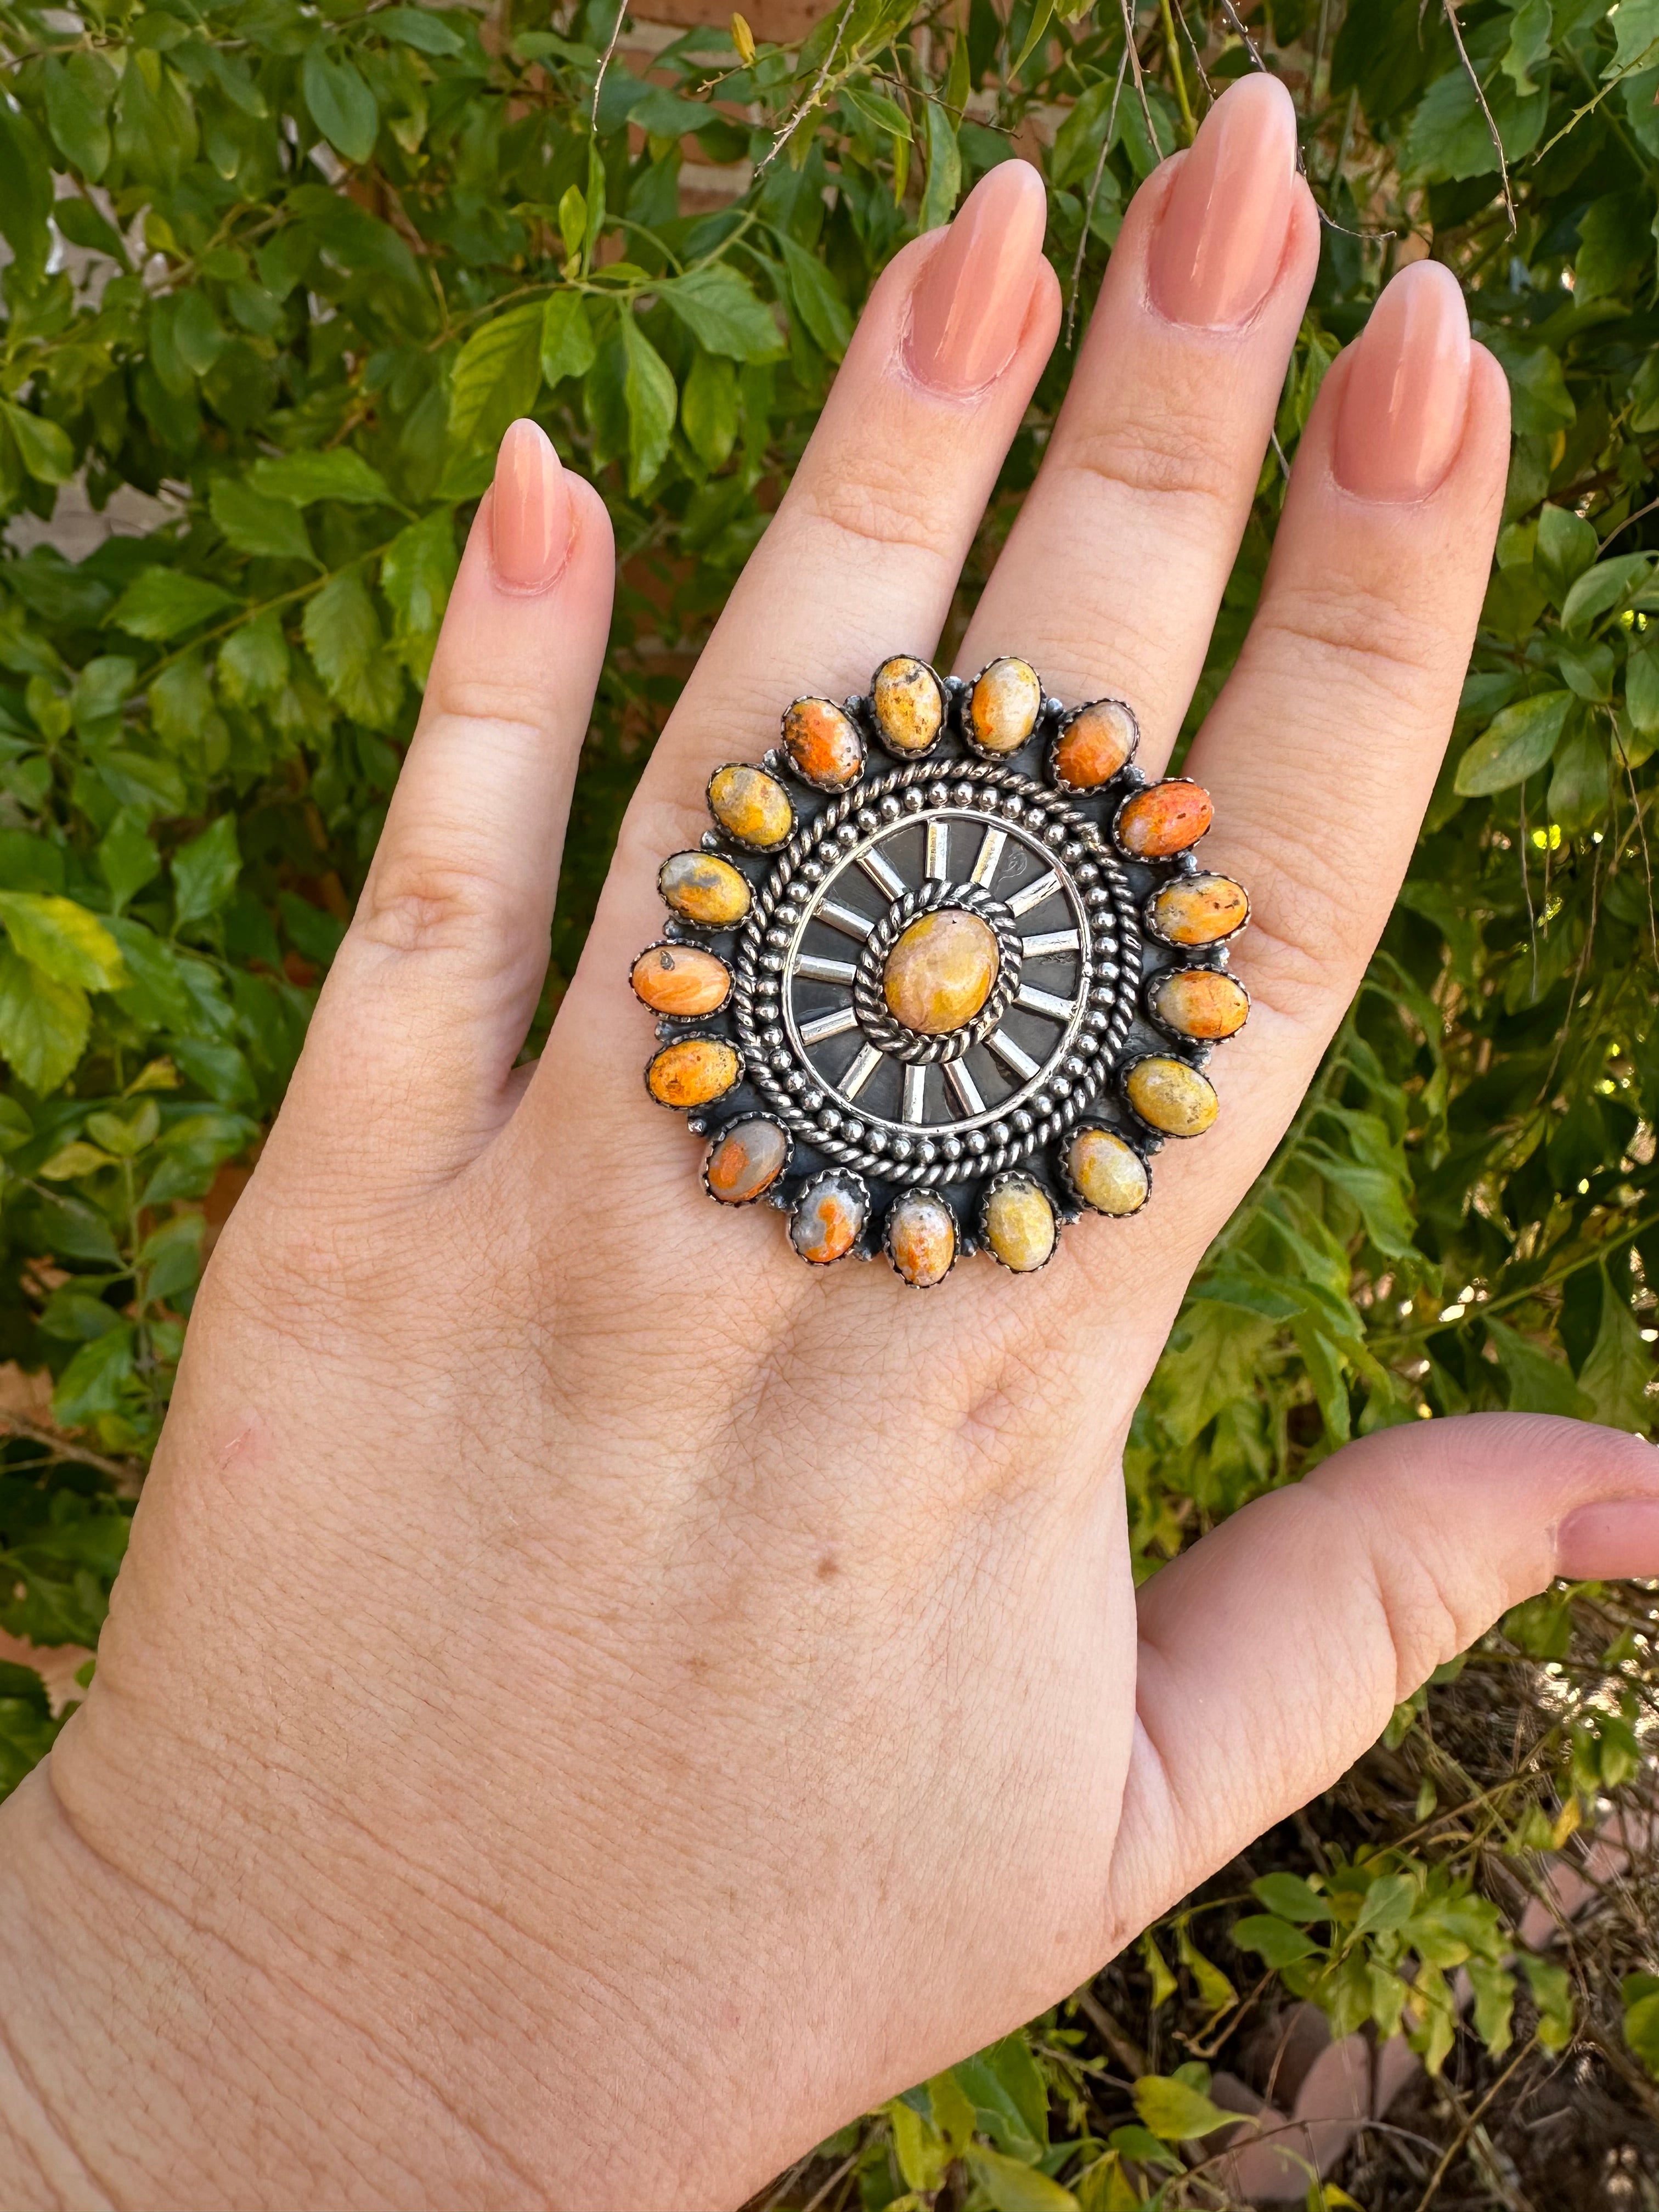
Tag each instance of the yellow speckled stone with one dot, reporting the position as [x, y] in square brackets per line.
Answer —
[1199, 909]
[1172, 1097]
[822, 743]
[909, 703]
[681, 979]
[1020, 1226]
[1199, 1002]
[691, 1071]
[1164, 819]
[1004, 705]
[1097, 742]
[921, 1238]
[751, 805]
[940, 972]
[1107, 1174]
[704, 888]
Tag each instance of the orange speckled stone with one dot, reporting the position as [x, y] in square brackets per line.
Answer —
[691, 1071]
[909, 703]
[1004, 705]
[921, 1239]
[1020, 1226]
[681, 979]
[1198, 910]
[745, 1160]
[1165, 818]
[753, 806]
[827, 1221]
[1095, 742]
[1172, 1097]
[1106, 1173]
[822, 743]
[704, 888]
[1198, 1002]
[941, 971]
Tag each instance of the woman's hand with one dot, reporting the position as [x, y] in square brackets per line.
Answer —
[592, 1704]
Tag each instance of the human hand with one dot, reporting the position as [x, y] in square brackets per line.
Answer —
[640, 1667]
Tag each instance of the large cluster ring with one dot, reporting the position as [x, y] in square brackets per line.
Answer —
[945, 973]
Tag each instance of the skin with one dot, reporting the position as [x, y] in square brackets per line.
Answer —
[592, 1704]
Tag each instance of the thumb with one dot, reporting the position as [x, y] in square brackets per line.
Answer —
[1274, 1652]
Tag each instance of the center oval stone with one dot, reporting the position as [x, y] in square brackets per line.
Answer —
[940, 972]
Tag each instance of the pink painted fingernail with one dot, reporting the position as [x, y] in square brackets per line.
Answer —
[530, 509]
[1400, 421]
[1615, 1542]
[969, 307]
[1221, 237]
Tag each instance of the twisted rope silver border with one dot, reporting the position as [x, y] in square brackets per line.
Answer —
[883, 1028]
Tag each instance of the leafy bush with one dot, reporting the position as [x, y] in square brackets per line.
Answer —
[290, 273]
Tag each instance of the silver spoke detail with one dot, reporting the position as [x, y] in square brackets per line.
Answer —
[939, 849]
[1051, 941]
[1034, 894]
[1010, 1055]
[990, 852]
[885, 876]
[845, 919]
[828, 1025]
[824, 971]
[859, 1072]
[1045, 1002]
[963, 1085]
[916, 1093]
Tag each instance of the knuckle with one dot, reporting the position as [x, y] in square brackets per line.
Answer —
[1169, 457]
[417, 901]
[1302, 940]
[882, 503]
[1343, 632]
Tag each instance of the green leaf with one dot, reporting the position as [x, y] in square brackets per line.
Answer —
[651, 400]
[1601, 589]
[78, 89]
[160, 604]
[1215, 1991]
[1538, 1384]
[1012, 2186]
[1388, 1904]
[255, 522]
[127, 859]
[496, 377]
[416, 571]
[1616, 1375]
[938, 202]
[1010, 2102]
[253, 661]
[1516, 744]
[1640, 1993]
[92, 1382]
[204, 872]
[43, 1023]
[63, 938]
[420, 29]
[25, 193]
[306, 477]
[341, 103]
[1291, 1898]
[1540, 402]
[344, 637]
[708, 409]
[1273, 1939]
[48, 453]
[1175, 2112]
[566, 336]
[922, 2158]
[723, 315]
[1552, 1992]
[816, 302]
[1565, 547]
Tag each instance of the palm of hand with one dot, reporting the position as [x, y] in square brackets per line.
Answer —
[671, 1668]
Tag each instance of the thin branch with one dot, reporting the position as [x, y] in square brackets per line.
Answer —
[1625, 523]
[812, 100]
[1448, 9]
[1094, 194]
[1172, 51]
[1460, 2139]
[1127, 8]
[1589, 107]
[605, 61]
[126, 1474]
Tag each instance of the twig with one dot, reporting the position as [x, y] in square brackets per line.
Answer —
[1468, 2127]
[1094, 194]
[1173, 53]
[1591, 105]
[1448, 9]
[1626, 524]
[1526, 888]
[126, 1474]
[840, 2174]
[1127, 9]
[1642, 833]
[605, 61]
[1118, 2041]
[812, 99]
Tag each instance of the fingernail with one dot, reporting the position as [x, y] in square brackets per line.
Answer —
[1401, 417]
[1615, 1542]
[1221, 237]
[530, 511]
[969, 307]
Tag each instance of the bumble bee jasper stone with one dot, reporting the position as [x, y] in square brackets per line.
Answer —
[704, 888]
[1198, 910]
[680, 979]
[1200, 1002]
[921, 1239]
[822, 743]
[1172, 1097]
[1004, 705]
[1020, 1226]
[1106, 1173]
[1095, 742]
[941, 971]
[692, 1071]
[828, 1219]
[746, 1160]
[909, 704]
[750, 805]
[1164, 819]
